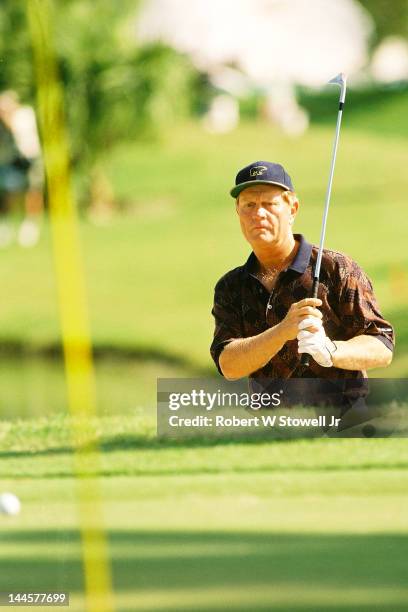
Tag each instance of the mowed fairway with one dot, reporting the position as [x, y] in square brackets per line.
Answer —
[300, 525]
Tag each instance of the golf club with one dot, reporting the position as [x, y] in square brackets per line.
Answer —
[340, 80]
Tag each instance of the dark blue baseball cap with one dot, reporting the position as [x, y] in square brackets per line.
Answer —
[261, 173]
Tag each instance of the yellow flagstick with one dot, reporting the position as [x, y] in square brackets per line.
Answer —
[72, 307]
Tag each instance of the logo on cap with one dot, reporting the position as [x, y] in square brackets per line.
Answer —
[258, 170]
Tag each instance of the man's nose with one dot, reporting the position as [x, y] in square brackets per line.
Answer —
[260, 211]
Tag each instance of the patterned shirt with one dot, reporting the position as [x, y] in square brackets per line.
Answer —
[243, 307]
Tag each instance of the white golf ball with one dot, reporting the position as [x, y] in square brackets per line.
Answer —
[9, 504]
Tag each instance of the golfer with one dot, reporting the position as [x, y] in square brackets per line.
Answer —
[264, 319]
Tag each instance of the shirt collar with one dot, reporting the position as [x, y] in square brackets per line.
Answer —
[299, 264]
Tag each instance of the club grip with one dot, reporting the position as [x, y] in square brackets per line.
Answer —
[305, 360]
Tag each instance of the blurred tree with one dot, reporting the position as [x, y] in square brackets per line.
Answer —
[390, 17]
[114, 91]
[15, 50]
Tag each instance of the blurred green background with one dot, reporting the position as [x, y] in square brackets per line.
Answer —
[300, 525]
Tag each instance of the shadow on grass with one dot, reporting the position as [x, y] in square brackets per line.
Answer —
[10, 349]
[134, 441]
[278, 569]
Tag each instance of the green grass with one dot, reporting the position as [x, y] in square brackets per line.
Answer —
[301, 525]
[375, 110]
[246, 548]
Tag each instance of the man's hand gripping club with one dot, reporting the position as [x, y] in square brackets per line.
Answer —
[310, 332]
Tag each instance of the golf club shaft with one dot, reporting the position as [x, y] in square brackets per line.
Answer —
[305, 361]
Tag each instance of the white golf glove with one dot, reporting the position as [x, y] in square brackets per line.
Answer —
[317, 344]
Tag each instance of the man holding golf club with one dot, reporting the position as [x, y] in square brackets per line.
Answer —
[264, 319]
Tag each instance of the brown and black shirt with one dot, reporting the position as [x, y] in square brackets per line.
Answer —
[244, 308]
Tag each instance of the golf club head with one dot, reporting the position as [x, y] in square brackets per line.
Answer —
[341, 81]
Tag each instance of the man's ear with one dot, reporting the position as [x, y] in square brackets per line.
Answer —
[294, 206]
[293, 202]
[237, 204]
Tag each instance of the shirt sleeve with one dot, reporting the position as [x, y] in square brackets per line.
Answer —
[359, 309]
[228, 320]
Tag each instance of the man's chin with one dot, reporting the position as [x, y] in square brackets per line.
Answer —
[263, 237]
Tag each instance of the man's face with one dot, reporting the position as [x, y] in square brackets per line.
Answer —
[265, 216]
